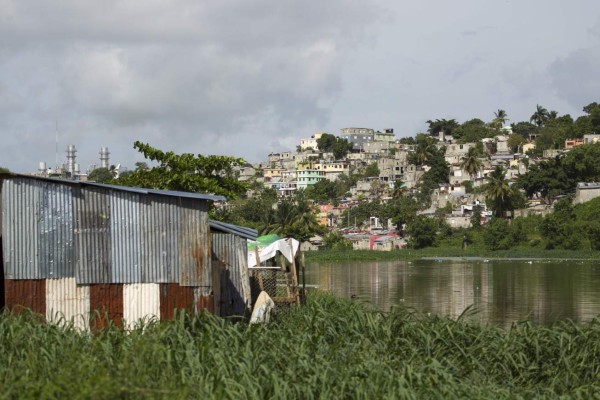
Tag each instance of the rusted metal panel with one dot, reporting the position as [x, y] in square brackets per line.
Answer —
[56, 249]
[141, 301]
[20, 228]
[175, 297]
[229, 257]
[194, 244]
[26, 293]
[125, 237]
[92, 236]
[106, 304]
[204, 300]
[159, 224]
[67, 302]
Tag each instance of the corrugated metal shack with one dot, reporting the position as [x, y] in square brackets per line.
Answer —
[71, 248]
[230, 263]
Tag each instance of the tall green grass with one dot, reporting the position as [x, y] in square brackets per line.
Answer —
[331, 348]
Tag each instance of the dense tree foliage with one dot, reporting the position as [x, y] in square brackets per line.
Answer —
[442, 125]
[472, 131]
[100, 175]
[425, 149]
[423, 232]
[186, 172]
[438, 172]
[560, 175]
[335, 241]
[333, 144]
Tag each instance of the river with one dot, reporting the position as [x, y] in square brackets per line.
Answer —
[494, 292]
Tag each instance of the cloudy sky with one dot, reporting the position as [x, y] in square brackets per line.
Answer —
[249, 77]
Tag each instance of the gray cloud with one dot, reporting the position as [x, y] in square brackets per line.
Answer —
[575, 76]
[201, 77]
[246, 78]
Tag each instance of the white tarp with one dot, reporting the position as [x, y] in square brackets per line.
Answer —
[269, 251]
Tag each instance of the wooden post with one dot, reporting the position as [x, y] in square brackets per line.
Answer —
[303, 277]
[260, 278]
[245, 278]
[294, 273]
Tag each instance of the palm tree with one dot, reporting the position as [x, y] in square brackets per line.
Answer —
[500, 118]
[399, 190]
[442, 125]
[423, 152]
[498, 192]
[293, 217]
[305, 213]
[282, 218]
[471, 162]
[540, 116]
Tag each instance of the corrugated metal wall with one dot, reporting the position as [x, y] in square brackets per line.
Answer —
[141, 301]
[229, 253]
[74, 249]
[67, 302]
[159, 227]
[27, 293]
[92, 236]
[204, 300]
[20, 228]
[194, 244]
[38, 229]
[125, 237]
[106, 303]
[174, 296]
[56, 250]
[100, 235]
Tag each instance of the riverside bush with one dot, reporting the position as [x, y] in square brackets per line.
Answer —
[330, 348]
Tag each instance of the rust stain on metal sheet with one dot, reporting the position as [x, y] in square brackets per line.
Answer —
[106, 302]
[175, 297]
[205, 303]
[27, 293]
[198, 254]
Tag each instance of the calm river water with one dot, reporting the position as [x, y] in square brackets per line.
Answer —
[500, 292]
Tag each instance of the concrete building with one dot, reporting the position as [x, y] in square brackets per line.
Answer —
[333, 169]
[586, 191]
[358, 136]
[456, 152]
[587, 139]
[311, 143]
[308, 177]
[386, 136]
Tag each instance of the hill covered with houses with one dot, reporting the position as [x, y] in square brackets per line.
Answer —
[380, 191]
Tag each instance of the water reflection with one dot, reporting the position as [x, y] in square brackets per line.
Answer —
[498, 292]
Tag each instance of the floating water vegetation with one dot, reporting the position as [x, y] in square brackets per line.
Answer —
[331, 348]
[428, 252]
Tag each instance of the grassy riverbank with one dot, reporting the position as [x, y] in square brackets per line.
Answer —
[447, 252]
[330, 349]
